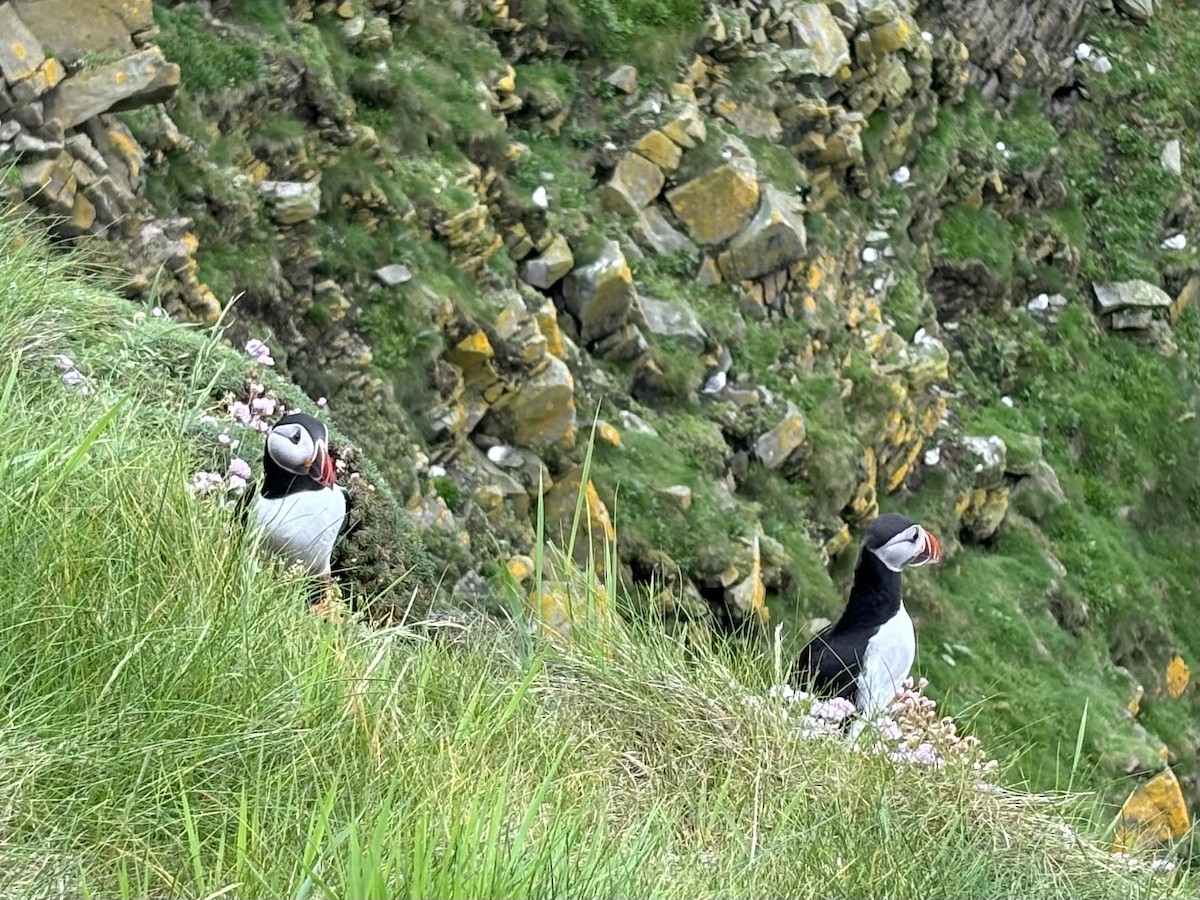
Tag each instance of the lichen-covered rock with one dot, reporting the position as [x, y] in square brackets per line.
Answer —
[715, 206]
[817, 45]
[660, 150]
[292, 201]
[773, 240]
[983, 459]
[687, 128]
[653, 232]
[1122, 295]
[1038, 493]
[635, 182]
[783, 443]
[76, 29]
[1154, 814]
[982, 510]
[1141, 10]
[138, 79]
[673, 319]
[600, 294]
[20, 52]
[751, 120]
[551, 265]
[541, 411]
[746, 596]
[559, 508]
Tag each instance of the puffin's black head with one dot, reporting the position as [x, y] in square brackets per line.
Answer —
[299, 443]
[898, 542]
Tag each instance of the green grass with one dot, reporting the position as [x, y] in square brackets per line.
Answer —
[181, 726]
[964, 233]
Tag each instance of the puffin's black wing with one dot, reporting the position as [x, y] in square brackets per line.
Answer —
[829, 665]
[245, 503]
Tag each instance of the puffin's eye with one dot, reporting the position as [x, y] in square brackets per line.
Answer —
[294, 437]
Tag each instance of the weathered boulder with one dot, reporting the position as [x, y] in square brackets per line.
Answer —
[660, 150]
[746, 594]
[140, 78]
[673, 319]
[389, 275]
[687, 128]
[773, 240]
[782, 443]
[984, 459]
[1039, 493]
[559, 508]
[601, 294]
[541, 411]
[1155, 813]
[1140, 10]
[653, 232]
[292, 201]
[715, 206]
[20, 51]
[635, 182]
[624, 79]
[554, 262]
[1172, 157]
[752, 120]
[73, 29]
[817, 45]
[1117, 296]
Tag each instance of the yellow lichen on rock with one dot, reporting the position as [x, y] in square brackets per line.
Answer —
[1155, 813]
[715, 206]
[1177, 676]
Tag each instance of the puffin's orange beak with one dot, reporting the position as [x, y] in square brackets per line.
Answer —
[321, 468]
[931, 553]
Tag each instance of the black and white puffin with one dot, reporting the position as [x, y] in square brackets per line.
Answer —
[299, 508]
[865, 655]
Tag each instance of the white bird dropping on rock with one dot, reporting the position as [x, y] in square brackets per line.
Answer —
[933, 456]
[540, 198]
[1039, 303]
[901, 175]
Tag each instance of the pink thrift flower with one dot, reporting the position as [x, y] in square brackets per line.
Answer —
[263, 406]
[239, 468]
[260, 351]
[260, 426]
[158, 312]
[239, 412]
[64, 362]
[223, 439]
[72, 377]
[322, 402]
[237, 484]
[209, 421]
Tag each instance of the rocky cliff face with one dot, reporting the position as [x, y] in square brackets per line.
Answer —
[799, 257]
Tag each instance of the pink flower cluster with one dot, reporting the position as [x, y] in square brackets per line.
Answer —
[928, 739]
[71, 376]
[909, 732]
[260, 351]
[233, 482]
[259, 406]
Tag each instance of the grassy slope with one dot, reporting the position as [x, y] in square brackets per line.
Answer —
[177, 725]
[1136, 447]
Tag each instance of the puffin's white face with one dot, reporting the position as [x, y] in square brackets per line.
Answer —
[914, 546]
[293, 448]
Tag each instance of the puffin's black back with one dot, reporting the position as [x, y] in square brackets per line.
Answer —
[831, 661]
[278, 481]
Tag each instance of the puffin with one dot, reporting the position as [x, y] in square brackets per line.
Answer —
[867, 653]
[298, 507]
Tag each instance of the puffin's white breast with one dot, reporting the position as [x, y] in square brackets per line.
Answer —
[302, 527]
[886, 663]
